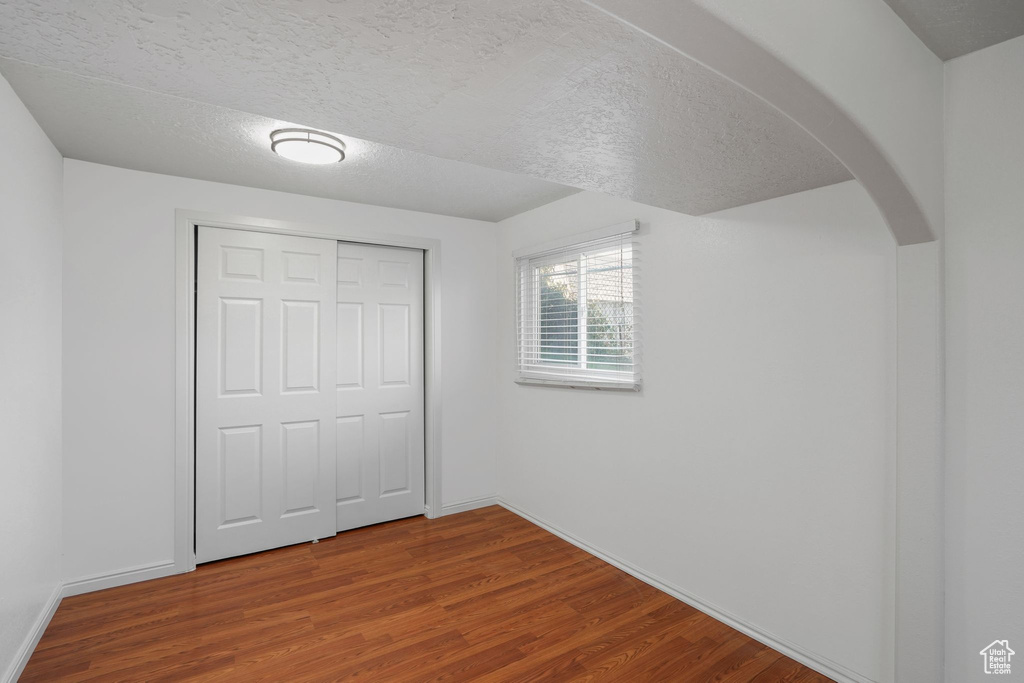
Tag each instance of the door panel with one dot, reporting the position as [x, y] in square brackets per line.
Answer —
[241, 331]
[241, 470]
[394, 453]
[301, 333]
[265, 391]
[380, 468]
[350, 345]
[351, 453]
[301, 450]
[394, 344]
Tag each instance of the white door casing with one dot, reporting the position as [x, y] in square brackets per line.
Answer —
[380, 383]
[265, 405]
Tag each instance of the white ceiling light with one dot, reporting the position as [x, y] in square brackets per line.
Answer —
[307, 146]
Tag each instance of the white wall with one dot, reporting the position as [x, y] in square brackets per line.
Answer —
[119, 349]
[851, 73]
[751, 472]
[858, 79]
[984, 356]
[865, 59]
[30, 382]
[919, 478]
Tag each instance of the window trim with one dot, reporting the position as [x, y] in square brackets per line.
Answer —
[532, 374]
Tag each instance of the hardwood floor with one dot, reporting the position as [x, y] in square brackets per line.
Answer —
[478, 596]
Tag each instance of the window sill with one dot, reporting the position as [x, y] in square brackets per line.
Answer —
[578, 384]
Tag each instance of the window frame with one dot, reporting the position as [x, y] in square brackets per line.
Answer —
[530, 370]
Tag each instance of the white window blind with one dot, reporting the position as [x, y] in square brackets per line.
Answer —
[578, 314]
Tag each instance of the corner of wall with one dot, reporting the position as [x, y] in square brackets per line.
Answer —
[32, 388]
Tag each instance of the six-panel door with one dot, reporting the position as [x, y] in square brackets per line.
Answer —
[380, 468]
[265, 391]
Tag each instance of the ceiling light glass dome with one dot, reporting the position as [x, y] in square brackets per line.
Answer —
[307, 146]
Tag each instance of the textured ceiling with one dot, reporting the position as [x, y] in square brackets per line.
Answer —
[554, 90]
[951, 28]
[118, 125]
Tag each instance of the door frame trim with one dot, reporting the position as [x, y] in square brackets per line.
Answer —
[186, 222]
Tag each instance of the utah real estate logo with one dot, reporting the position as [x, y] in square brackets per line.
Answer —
[997, 657]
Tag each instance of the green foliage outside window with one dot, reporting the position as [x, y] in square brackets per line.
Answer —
[609, 324]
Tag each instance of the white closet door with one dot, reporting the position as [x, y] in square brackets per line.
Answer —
[380, 384]
[265, 400]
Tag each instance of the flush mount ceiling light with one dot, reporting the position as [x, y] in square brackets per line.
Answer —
[307, 146]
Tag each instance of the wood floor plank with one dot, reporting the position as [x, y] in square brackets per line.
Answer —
[480, 596]
[600, 637]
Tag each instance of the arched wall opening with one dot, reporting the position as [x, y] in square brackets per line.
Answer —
[856, 79]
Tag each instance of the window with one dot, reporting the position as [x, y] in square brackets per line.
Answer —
[578, 313]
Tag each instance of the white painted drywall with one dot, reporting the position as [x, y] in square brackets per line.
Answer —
[918, 475]
[119, 349]
[984, 357]
[752, 469]
[30, 382]
[850, 73]
[865, 59]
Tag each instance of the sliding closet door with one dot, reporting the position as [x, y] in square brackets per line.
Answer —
[265, 391]
[379, 384]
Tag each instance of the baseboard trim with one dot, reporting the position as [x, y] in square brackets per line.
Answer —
[97, 582]
[155, 570]
[822, 665]
[29, 646]
[467, 505]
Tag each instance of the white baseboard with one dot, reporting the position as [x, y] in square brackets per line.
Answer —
[467, 505]
[822, 665]
[86, 584]
[29, 646]
[96, 582]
